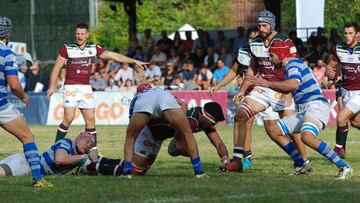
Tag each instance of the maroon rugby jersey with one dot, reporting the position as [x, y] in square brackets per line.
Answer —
[260, 54]
[350, 65]
[79, 62]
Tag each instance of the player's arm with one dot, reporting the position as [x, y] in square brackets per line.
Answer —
[285, 86]
[226, 80]
[62, 157]
[183, 105]
[59, 63]
[16, 88]
[245, 84]
[121, 58]
[221, 149]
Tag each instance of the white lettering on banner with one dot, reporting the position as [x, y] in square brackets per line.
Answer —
[111, 109]
[192, 102]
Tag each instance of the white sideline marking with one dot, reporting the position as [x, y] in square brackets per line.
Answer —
[252, 195]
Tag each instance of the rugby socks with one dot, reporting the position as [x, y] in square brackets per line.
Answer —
[105, 169]
[326, 151]
[247, 154]
[32, 156]
[341, 136]
[104, 160]
[238, 152]
[61, 132]
[92, 131]
[196, 162]
[291, 150]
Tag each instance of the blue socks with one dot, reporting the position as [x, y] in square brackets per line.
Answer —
[327, 152]
[197, 165]
[291, 150]
[32, 155]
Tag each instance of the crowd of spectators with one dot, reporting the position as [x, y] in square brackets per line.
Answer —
[182, 64]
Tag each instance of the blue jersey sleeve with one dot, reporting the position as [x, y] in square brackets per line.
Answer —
[293, 72]
[64, 144]
[10, 66]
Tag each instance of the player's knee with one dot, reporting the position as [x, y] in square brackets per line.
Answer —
[244, 113]
[355, 124]
[341, 120]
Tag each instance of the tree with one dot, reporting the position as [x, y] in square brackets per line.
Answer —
[160, 15]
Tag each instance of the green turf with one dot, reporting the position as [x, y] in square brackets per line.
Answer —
[170, 179]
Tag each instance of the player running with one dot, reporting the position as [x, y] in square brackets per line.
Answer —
[261, 98]
[10, 118]
[348, 55]
[313, 107]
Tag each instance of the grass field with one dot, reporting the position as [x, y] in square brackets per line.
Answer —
[171, 179]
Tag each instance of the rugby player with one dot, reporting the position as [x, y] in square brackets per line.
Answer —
[152, 103]
[313, 108]
[347, 54]
[61, 158]
[79, 58]
[10, 118]
[261, 98]
[152, 136]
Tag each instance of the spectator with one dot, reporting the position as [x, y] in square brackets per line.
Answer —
[139, 75]
[211, 58]
[240, 40]
[207, 41]
[176, 84]
[174, 58]
[226, 57]
[128, 86]
[189, 73]
[222, 41]
[204, 78]
[333, 41]
[147, 42]
[159, 58]
[164, 43]
[319, 73]
[36, 80]
[319, 38]
[139, 54]
[220, 72]
[168, 75]
[316, 54]
[177, 42]
[126, 72]
[199, 57]
[152, 71]
[185, 58]
[97, 82]
[111, 87]
[100, 65]
[156, 82]
[198, 43]
[188, 43]
[112, 67]
[132, 45]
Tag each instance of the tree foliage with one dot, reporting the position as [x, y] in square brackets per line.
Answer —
[158, 15]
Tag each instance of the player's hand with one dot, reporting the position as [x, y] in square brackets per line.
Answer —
[238, 97]
[331, 74]
[50, 92]
[213, 90]
[93, 155]
[143, 65]
[257, 81]
[25, 100]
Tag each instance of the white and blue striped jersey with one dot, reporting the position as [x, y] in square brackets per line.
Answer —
[7, 67]
[48, 166]
[309, 89]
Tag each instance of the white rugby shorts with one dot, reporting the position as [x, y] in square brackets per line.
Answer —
[78, 96]
[17, 164]
[352, 100]
[146, 144]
